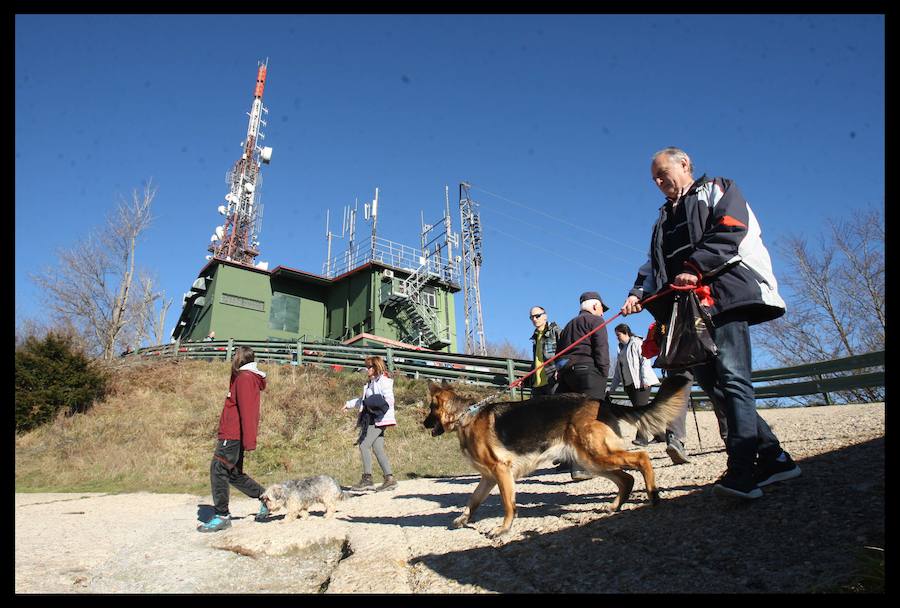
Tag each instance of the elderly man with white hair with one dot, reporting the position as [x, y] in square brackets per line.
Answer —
[585, 368]
[706, 234]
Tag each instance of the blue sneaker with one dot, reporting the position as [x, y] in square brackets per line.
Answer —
[263, 512]
[219, 522]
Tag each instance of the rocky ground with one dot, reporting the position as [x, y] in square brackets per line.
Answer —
[803, 535]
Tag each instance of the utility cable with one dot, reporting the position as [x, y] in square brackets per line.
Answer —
[550, 251]
[568, 241]
[570, 224]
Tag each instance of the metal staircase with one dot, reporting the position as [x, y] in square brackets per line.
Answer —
[408, 298]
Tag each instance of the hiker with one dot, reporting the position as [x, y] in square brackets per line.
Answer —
[544, 338]
[376, 413]
[706, 234]
[584, 369]
[238, 427]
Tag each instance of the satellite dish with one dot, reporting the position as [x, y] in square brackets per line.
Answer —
[230, 197]
[249, 187]
[220, 231]
[222, 209]
[213, 238]
[209, 257]
[266, 155]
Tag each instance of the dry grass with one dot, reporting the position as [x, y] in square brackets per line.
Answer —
[156, 431]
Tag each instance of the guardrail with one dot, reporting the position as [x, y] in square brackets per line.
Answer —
[799, 380]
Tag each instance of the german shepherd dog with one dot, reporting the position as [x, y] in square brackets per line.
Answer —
[505, 441]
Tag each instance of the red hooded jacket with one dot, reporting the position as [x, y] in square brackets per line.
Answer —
[240, 415]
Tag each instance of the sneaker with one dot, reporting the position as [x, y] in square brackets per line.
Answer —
[737, 486]
[219, 522]
[675, 450]
[775, 470]
[263, 512]
[365, 483]
[389, 484]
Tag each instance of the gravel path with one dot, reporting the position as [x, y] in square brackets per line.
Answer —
[803, 535]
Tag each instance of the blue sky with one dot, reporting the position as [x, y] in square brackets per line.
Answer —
[551, 118]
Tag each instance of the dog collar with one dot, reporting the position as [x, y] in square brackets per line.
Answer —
[472, 409]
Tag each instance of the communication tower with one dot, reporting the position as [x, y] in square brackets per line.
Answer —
[470, 226]
[237, 239]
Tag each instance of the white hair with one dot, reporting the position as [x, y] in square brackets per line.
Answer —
[676, 154]
[588, 305]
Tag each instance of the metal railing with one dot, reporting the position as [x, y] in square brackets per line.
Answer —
[807, 379]
[391, 254]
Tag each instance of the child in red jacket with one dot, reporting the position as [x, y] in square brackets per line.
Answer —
[238, 426]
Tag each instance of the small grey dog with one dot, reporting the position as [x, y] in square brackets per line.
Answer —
[298, 495]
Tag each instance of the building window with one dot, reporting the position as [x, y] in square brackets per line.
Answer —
[428, 297]
[285, 312]
[242, 302]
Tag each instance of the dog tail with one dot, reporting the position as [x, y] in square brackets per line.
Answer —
[673, 395]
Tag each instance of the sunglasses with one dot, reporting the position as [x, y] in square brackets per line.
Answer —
[540, 314]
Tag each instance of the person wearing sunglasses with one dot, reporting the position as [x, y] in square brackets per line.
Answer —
[375, 414]
[543, 348]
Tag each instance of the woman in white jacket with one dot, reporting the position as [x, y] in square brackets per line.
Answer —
[376, 413]
[633, 371]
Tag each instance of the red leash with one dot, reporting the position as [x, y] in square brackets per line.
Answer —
[518, 382]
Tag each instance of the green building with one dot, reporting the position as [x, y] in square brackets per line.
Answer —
[386, 298]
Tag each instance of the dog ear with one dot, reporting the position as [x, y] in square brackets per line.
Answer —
[445, 384]
[433, 388]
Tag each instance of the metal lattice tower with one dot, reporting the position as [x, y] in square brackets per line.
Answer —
[237, 240]
[470, 231]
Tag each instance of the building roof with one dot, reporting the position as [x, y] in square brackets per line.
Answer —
[381, 340]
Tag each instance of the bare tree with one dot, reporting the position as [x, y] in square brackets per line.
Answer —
[835, 296]
[92, 283]
[159, 326]
[506, 350]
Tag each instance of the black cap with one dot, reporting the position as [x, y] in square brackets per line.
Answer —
[593, 295]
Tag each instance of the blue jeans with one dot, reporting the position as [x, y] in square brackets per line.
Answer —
[727, 379]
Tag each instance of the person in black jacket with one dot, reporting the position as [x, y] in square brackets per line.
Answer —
[706, 234]
[585, 368]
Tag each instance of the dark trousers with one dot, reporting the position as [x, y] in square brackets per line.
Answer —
[639, 397]
[547, 389]
[227, 467]
[583, 378]
[727, 380]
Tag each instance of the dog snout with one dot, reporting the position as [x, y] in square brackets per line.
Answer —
[429, 421]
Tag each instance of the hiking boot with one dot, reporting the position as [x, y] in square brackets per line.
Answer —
[767, 472]
[640, 441]
[263, 512]
[675, 450]
[737, 486]
[365, 483]
[389, 484]
[219, 522]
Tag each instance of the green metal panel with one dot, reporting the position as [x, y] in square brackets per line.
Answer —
[312, 308]
[230, 320]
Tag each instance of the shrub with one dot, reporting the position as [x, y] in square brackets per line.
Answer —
[53, 376]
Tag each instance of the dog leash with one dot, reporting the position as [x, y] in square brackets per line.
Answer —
[647, 300]
[475, 407]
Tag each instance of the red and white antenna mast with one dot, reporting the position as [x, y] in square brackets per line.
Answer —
[237, 239]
